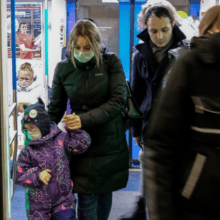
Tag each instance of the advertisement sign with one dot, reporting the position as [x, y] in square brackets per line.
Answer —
[30, 74]
[28, 30]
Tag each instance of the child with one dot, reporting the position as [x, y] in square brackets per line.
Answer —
[28, 89]
[43, 166]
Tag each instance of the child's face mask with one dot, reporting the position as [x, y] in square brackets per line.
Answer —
[83, 57]
[34, 131]
[25, 80]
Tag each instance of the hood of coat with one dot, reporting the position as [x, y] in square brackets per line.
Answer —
[207, 48]
[145, 49]
[29, 88]
[54, 131]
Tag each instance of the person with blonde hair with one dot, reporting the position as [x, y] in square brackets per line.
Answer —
[182, 143]
[28, 89]
[95, 83]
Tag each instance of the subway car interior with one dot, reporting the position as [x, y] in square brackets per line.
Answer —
[47, 25]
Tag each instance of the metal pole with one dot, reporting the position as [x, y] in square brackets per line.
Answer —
[14, 81]
[131, 52]
[13, 47]
[46, 46]
[3, 200]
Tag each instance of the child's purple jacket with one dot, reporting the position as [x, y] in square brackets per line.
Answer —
[50, 152]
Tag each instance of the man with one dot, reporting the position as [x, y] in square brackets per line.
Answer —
[159, 48]
[25, 42]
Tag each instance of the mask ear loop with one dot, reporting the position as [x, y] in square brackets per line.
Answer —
[28, 137]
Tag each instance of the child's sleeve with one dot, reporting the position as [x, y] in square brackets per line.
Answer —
[77, 141]
[26, 175]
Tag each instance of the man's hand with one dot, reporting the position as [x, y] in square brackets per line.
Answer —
[45, 176]
[72, 121]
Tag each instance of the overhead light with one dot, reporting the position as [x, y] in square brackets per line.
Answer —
[110, 1]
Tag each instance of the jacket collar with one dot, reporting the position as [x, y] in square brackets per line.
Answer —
[29, 88]
[86, 66]
[145, 48]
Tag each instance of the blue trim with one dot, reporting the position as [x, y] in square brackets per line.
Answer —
[13, 46]
[128, 1]
[124, 36]
[194, 1]
[194, 10]
[124, 52]
[124, 41]
[46, 40]
[70, 22]
[124, 1]
[71, 16]
[137, 10]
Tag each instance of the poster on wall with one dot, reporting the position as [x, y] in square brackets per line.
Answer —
[29, 57]
[28, 30]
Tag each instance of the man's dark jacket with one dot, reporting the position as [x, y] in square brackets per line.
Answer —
[147, 74]
[98, 96]
[182, 157]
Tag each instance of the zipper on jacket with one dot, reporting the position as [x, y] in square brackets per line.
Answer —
[91, 159]
[87, 86]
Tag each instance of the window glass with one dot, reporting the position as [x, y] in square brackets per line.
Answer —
[106, 17]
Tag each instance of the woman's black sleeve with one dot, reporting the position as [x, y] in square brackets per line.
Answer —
[58, 98]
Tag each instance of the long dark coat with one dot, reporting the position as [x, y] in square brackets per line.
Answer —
[182, 157]
[98, 96]
[147, 74]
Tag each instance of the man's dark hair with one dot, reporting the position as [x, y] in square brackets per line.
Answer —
[159, 12]
[90, 19]
[22, 23]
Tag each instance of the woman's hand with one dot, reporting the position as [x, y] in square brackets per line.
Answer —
[72, 121]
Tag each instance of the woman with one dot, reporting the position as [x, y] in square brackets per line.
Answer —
[162, 40]
[95, 84]
[182, 142]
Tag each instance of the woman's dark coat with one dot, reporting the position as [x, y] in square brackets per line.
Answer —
[147, 74]
[182, 156]
[98, 96]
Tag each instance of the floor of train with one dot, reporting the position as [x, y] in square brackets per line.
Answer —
[123, 200]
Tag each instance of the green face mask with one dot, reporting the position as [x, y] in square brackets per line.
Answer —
[83, 57]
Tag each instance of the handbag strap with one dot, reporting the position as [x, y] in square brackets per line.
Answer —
[128, 89]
